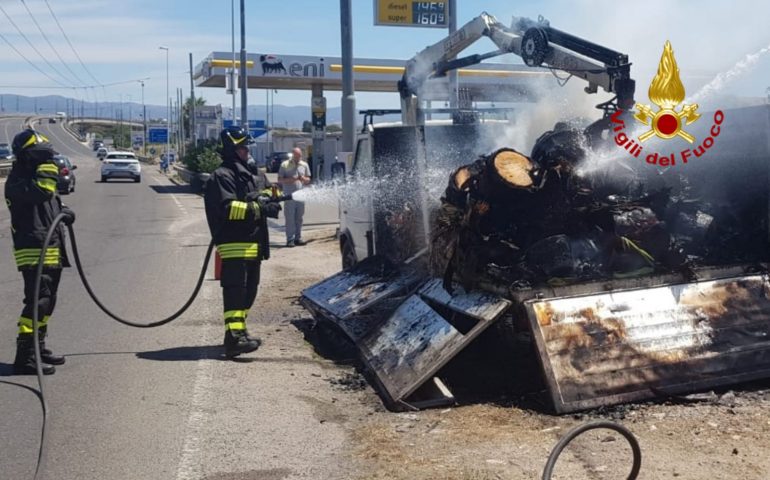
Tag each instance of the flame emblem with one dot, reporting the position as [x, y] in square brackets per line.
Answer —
[667, 92]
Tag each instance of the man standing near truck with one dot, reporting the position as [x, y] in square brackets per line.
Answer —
[293, 175]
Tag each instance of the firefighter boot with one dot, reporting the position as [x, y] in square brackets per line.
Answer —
[24, 364]
[46, 355]
[238, 342]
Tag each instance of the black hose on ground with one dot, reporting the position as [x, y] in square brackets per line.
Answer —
[35, 313]
[579, 430]
[157, 323]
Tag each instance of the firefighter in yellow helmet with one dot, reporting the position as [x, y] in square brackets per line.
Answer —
[237, 221]
[30, 193]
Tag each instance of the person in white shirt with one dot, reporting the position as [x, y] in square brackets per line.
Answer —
[293, 175]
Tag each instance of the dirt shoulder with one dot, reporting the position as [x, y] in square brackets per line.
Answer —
[494, 436]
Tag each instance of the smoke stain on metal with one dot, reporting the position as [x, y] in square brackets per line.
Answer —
[671, 338]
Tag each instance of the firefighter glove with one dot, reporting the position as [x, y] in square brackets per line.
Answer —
[69, 216]
[270, 209]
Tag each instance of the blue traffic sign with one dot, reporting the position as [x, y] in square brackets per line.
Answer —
[256, 132]
[157, 135]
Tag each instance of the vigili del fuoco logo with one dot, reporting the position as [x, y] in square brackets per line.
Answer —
[667, 92]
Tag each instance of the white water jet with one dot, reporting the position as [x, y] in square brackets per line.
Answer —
[720, 81]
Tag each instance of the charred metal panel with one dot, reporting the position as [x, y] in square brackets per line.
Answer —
[341, 297]
[629, 345]
[416, 341]
[477, 304]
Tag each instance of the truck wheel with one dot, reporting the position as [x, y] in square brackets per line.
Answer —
[348, 254]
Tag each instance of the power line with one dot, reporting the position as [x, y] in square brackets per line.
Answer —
[50, 44]
[32, 64]
[70, 44]
[33, 48]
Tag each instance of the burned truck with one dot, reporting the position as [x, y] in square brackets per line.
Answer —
[633, 280]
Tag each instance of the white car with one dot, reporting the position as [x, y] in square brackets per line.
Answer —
[121, 165]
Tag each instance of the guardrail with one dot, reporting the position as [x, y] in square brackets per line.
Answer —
[5, 168]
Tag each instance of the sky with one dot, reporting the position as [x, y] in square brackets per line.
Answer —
[118, 41]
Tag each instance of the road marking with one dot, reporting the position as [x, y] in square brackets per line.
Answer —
[173, 197]
[189, 464]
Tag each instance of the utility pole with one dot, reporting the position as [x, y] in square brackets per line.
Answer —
[192, 105]
[244, 79]
[144, 121]
[348, 89]
[452, 73]
[168, 111]
[232, 70]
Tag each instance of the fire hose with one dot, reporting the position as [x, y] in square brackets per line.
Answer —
[579, 430]
[36, 298]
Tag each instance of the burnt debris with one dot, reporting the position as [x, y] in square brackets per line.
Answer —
[550, 218]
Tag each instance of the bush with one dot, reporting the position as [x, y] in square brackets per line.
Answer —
[207, 162]
[202, 158]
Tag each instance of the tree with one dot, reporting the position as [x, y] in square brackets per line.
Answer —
[307, 127]
[199, 102]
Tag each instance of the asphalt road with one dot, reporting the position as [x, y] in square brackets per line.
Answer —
[121, 404]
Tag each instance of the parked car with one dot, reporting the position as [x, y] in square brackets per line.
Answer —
[101, 153]
[121, 165]
[66, 182]
[275, 160]
[51, 120]
[6, 155]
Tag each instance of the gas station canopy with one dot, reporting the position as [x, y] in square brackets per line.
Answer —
[485, 82]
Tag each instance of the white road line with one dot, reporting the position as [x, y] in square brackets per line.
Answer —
[173, 197]
[189, 467]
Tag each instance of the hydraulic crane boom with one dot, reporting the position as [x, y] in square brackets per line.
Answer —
[537, 43]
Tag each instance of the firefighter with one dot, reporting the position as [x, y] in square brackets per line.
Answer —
[236, 214]
[30, 193]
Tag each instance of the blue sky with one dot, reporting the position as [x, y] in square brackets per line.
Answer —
[118, 41]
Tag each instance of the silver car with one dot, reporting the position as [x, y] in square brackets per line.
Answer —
[121, 165]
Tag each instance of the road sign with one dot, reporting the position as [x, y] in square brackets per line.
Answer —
[157, 135]
[256, 132]
[252, 124]
[405, 13]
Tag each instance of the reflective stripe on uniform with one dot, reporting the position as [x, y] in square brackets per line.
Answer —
[25, 325]
[235, 326]
[30, 256]
[47, 168]
[235, 314]
[237, 210]
[238, 250]
[48, 184]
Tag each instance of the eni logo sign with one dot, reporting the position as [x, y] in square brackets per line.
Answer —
[667, 92]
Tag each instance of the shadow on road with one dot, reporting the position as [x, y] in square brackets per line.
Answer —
[171, 188]
[203, 352]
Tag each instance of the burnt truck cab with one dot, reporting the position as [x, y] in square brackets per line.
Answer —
[395, 176]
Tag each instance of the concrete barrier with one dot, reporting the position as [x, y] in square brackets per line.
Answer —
[5, 168]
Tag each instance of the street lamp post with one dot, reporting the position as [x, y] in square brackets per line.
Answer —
[144, 121]
[168, 112]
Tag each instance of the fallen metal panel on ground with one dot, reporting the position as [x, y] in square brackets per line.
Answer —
[622, 346]
[416, 341]
[477, 304]
[341, 297]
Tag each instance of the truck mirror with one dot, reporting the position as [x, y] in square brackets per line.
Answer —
[338, 171]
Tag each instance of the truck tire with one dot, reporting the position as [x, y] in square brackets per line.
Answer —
[348, 254]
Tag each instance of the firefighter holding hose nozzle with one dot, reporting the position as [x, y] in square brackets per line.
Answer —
[30, 193]
[238, 202]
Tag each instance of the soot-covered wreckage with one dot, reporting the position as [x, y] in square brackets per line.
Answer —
[633, 281]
